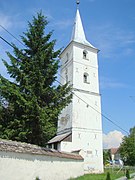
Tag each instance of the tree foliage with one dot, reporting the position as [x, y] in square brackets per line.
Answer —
[106, 156]
[30, 105]
[108, 177]
[127, 174]
[127, 148]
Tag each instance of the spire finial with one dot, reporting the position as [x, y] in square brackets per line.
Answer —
[78, 34]
[77, 2]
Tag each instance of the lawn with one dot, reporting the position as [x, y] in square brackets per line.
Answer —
[114, 174]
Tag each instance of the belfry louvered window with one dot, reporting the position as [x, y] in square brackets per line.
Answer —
[85, 54]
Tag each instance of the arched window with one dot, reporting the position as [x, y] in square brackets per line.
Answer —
[85, 54]
[86, 78]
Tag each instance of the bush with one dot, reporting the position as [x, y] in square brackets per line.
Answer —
[37, 178]
[108, 176]
[127, 174]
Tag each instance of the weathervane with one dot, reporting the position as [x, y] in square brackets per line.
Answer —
[77, 2]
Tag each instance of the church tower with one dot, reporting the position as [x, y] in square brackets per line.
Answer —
[80, 124]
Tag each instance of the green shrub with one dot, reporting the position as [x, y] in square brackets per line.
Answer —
[108, 176]
[37, 178]
[127, 174]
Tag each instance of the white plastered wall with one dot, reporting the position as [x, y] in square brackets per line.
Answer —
[85, 121]
[20, 166]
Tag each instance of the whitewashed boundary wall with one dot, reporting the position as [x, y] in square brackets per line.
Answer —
[21, 161]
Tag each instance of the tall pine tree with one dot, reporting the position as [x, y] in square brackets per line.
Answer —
[31, 104]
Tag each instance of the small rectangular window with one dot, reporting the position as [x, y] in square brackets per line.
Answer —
[50, 146]
[55, 146]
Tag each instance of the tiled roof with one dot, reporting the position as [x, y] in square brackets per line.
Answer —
[114, 150]
[18, 147]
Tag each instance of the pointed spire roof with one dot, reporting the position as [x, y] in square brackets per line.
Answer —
[78, 34]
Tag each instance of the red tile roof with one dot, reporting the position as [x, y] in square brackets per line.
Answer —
[114, 150]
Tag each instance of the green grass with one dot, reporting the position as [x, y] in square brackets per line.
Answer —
[99, 176]
[113, 174]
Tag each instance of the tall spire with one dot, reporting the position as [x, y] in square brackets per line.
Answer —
[78, 34]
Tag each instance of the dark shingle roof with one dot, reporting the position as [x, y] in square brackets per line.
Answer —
[18, 147]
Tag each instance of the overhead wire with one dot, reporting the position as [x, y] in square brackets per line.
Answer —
[6, 41]
[11, 34]
[88, 105]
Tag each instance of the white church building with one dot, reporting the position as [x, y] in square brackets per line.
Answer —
[80, 123]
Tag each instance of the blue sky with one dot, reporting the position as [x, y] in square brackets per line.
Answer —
[109, 26]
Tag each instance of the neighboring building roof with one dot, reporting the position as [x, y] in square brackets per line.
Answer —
[114, 150]
[78, 34]
[59, 138]
[18, 147]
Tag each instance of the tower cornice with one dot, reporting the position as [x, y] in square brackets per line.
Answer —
[79, 43]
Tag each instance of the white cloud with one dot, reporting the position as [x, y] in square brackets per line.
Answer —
[8, 22]
[109, 83]
[5, 21]
[112, 139]
[109, 39]
[129, 51]
[63, 23]
[45, 12]
[91, 0]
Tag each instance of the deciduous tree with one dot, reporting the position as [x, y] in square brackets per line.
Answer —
[127, 148]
